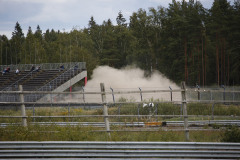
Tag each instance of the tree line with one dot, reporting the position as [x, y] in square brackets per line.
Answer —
[184, 42]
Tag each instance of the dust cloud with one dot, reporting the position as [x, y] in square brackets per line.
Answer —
[129, 78]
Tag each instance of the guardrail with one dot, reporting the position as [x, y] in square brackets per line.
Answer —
[118, 150]
[129, 124]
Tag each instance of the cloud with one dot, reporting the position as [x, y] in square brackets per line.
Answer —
[161, 2]
[50, 11]
[37, 1]
[59, 14]
[64, 14]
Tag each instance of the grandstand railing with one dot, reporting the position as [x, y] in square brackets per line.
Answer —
[44, 66]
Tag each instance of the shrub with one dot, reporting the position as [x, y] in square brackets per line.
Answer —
[231, 134]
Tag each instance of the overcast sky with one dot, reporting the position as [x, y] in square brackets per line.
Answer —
[66, 14]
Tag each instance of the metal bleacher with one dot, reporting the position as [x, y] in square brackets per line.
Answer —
[48, 78]
[39, 79]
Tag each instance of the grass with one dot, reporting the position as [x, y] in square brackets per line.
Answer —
[128, 109]
[79, 133]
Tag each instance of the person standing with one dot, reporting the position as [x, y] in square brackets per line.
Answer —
[17, 71]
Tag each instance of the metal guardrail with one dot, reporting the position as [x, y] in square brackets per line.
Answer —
[117, 150]
[130, 124]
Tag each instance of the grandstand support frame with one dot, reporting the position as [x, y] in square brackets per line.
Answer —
[65, 85]
[71, 82]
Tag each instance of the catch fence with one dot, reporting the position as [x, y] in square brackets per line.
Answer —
[151, 111]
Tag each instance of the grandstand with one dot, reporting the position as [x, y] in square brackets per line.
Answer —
[50, 77]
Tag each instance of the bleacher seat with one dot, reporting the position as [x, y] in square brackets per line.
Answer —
[38, 80]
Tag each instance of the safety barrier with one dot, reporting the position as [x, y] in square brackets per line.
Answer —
[117, 150]
[170, 124]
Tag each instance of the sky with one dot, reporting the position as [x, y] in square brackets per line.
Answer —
[64, 15]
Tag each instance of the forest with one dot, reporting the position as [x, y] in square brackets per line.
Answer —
[185, 42]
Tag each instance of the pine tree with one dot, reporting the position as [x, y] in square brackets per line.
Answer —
[4, 50]
[16, 43]
[219, 19]
[121, 20]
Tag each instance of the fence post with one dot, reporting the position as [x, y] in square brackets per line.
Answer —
[34, 113]
[211, 95]
[119, 112]
[184, 103]
[23, 111]
[170, 93]
[105, 109]
[113, 95]
[83, 94]
[224, 96]
[233, 93]
[84, 97]
[141, 94]
[213, 111]
[69, 112]
[199, 98]
[181, 110]
[138, 110]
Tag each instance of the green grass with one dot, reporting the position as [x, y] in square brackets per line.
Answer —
[79, 133]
